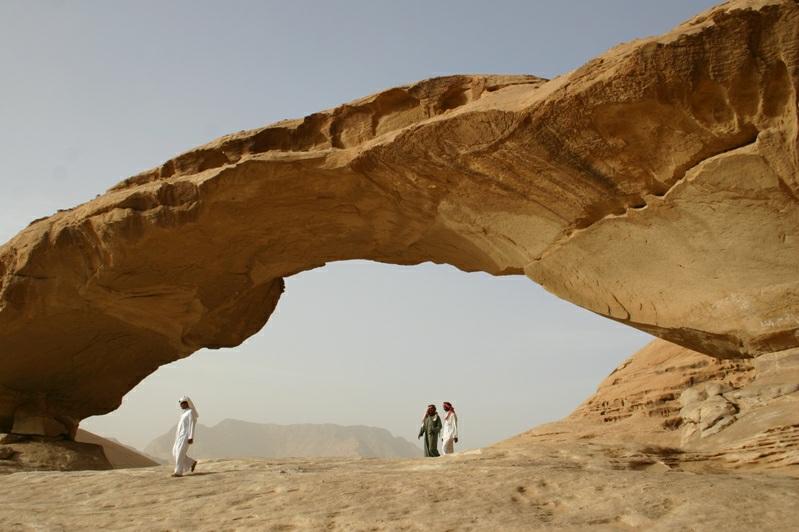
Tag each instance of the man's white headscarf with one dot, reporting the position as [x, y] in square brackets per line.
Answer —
[187, 399]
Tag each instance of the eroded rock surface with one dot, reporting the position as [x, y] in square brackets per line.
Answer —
[690, 411]
[657, 185]
[580, 486]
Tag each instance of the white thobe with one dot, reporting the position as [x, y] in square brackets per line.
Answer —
[183, 434]
[449, 431]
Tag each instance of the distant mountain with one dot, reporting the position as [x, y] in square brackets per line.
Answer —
[120, 455]
[237, 439]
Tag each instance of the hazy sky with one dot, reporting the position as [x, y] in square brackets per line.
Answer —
[94, 91]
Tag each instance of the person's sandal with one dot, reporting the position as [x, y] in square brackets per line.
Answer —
[193, 466]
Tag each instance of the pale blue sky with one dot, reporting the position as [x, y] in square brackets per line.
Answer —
[94, 91]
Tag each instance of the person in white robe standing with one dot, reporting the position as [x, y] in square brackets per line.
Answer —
[449, 430]
[184, 436]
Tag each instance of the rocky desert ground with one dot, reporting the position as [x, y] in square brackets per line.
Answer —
[550, 486]
[627, 459]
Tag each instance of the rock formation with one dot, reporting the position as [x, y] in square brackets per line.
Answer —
[120, 456]
[32, 453]
[232, 438]
[692, 411]
[656, 185]
[644, 393]
[88, 452]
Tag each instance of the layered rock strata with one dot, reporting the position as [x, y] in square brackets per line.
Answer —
[687, 410]
[657, 185]
[650, 386]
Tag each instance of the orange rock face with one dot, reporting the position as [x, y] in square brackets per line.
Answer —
[648, 386]
[690, 411]
[657, 185]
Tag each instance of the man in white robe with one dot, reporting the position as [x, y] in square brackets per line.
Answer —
[184, 436]
[449, 432]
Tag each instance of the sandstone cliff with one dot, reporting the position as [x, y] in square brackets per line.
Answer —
[691, 411]
[657, 185]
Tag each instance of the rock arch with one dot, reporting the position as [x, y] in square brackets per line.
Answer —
[657, 185]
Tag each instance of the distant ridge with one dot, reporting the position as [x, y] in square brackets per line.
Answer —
[232, 438]
[120, 456]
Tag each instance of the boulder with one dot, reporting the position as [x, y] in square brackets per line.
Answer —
[6, 453]
[707, 416]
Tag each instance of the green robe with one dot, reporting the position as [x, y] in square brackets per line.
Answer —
[431, 426]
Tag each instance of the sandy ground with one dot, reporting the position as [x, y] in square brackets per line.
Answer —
[553, 487]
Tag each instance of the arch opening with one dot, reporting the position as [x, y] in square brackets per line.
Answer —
[363, 343]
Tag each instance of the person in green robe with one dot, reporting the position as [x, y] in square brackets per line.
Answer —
[431, 426]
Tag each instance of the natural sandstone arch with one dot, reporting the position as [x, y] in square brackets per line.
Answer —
[657, 185]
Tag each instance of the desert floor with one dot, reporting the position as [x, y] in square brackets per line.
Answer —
[574, 486]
